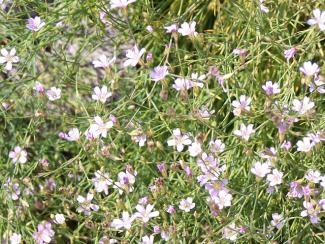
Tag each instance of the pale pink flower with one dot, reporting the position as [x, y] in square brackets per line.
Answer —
[53, 93]
[304, 145]
[188, 29]
[85, 204]
[44, 233]
[271, 88]
[216, 146]
[125, 182]
[103, 61]
[311, 211]
[239, 51]
[260, 169]
[125, 222]
[171, 28]
[145, 213]
[159, 73]
[195, 148]
[275, 178]
[290, 53]
[241, 105]
[182, 84]
[309, 69]
[35, 24]
[101, 94]
[15, 238]
[39, 88]
[149, 28]
[8, 57]
[101, 181]
[18, 155]
[302, 107]
[179, 140]
[277, 220]
[59, 219]
[245, 131]
[134, 56]
[99, 127]
[120, 3]
[230, 232]
[313, 176]
[186, 204]
[319, 19]
[73, 135]
[147, 239]
[223, 199]
[263, 7]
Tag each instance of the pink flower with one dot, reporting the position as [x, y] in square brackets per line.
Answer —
[182, 84]
[8, 57]
[102, 181]
[186, 204]
[260, 170]
[125, 182]
[99, 127]
[18, 155]
[73, 135]
[85, 204]
[147, 239]
[290, 53]
[59, 219]
[159, 73]
[171, 28]
[35, 24]
[277, 220]
[309, 68]
[241, 105]
[145, 213]
[188, 29]
[239, 51]
[302, 107]
[125, 222]
[319, 19]
[313, 176]
[275, 178]
[101, 94]
[179, 140]
[15, 238]
[103, 61]
[195, 149]
[39, 88]
[271, 88]
[120, 3]
[134, 56]
[230, 232]
[53, 93]
[245, 131]
[223, 199]
[44, 233]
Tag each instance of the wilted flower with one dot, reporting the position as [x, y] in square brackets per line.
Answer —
[309, 68]
[241, 105]
[188, 29]
[53, 93]
[245, 131]
[290, 53]
[271, 88]
[145, 213]
[186, 204]
[8, 57]
[18, 155]
[120, 3]
[103, 61]
[239, 51]
[85, 204]
[125, 222]
[35, 24]
[159, 73]
[319, 19]
[134, 56]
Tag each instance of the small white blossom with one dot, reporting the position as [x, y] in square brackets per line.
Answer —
[59, 219]
[53, 93]
[195, 149]
[271, 88]
[102, 181]
[145, 213]
[309, 69]
[302, 107]
[134, 56]
[120, 3]
[277, 220]
[245, 131]
[101, 94]
[125, 222]
[35, 24]
[8, 57]
[319, 19]
[304, 145]
[179, 140]
[186, 204]
[103, 61]
[188, 29]
[241, 105]
[18, 155]
[260, 170]
[275, 178]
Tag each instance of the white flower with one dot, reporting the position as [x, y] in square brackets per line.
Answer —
[59, 219]
[319, 19]
[102, 181]
[309, 68]
[275, 178]
[188, 29]
[302, 107]
[245, 131]
[230, 232]
[186, 204]
[120, 3]
[260, 170]
[195, 149]
[145, 213]
[147, 239]
[85, 204]
[313, 176]
[125, 222]
[125, 181]
[53, 93]
[179, 140]
[304, 145]
[18, 155]
[101, 94]
[171, 28]
[271, 88]
[196, 76]
[8, 57]
[35, 24]
[100, 128]
[103, 61]
[159, 73]
[15, 238]
[241, 105]
[277, 220]
[134, 56]
[223, 199]
[182, 84]
[73, 134]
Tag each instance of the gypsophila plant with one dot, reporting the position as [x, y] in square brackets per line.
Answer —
[149, 121]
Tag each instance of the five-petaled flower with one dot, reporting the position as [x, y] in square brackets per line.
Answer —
[9, 58]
